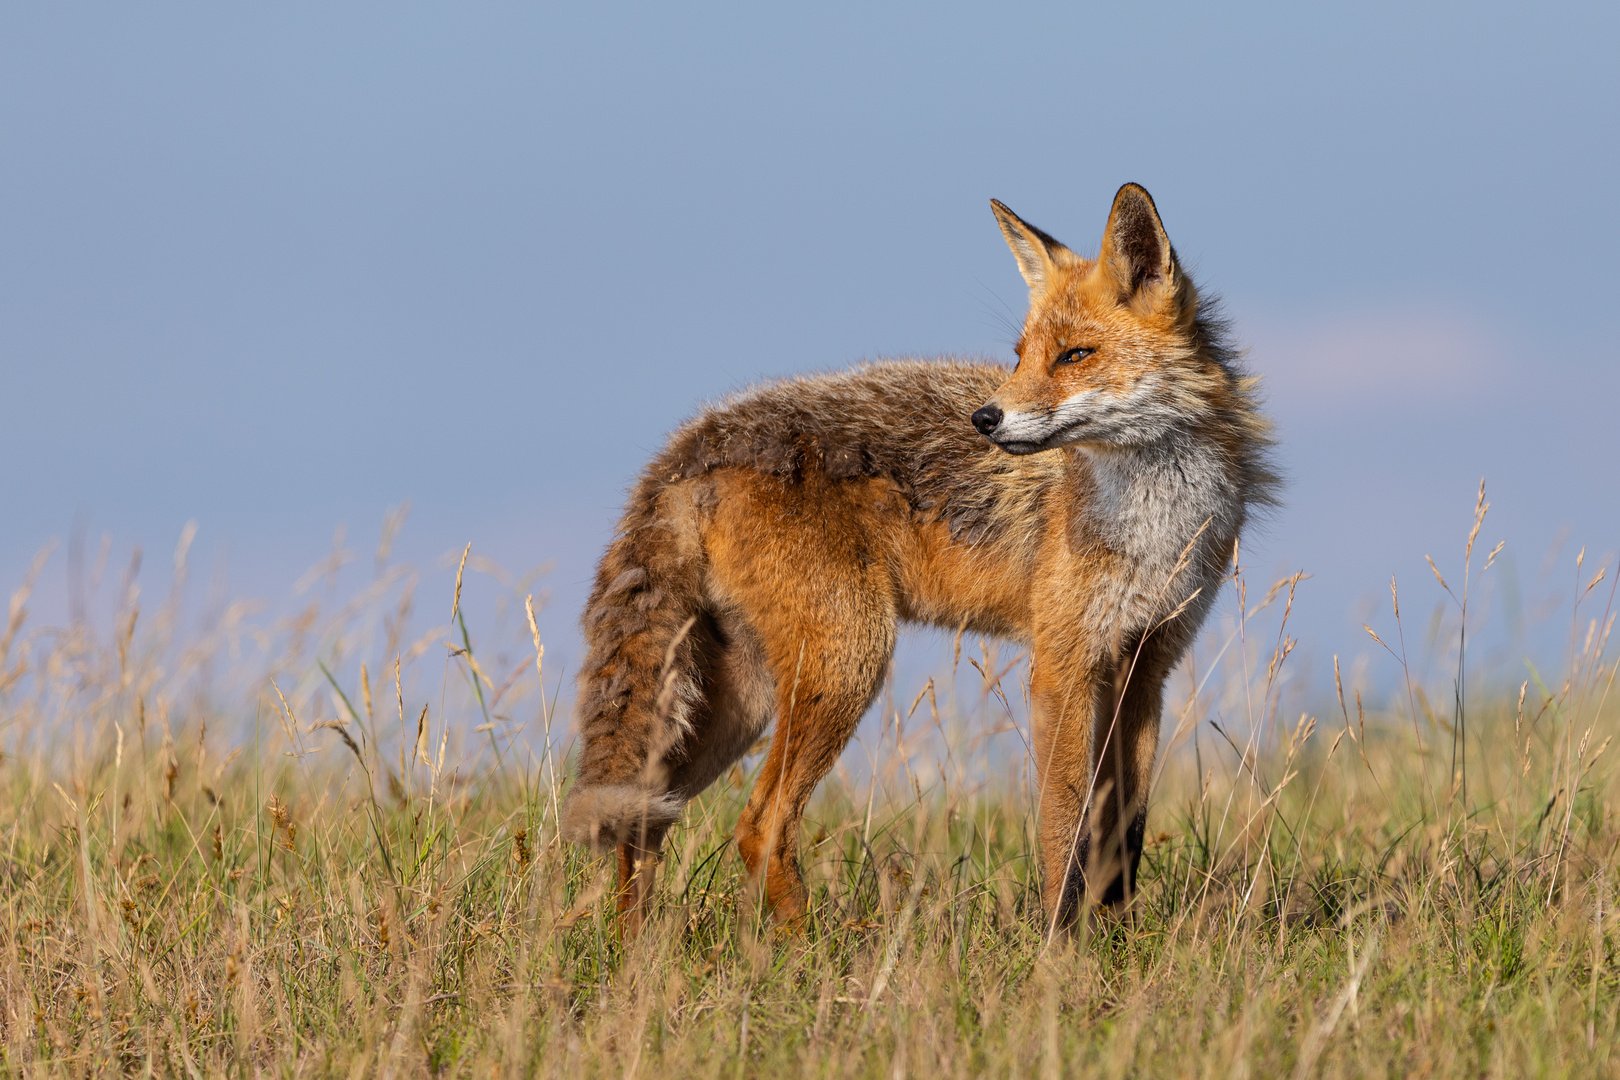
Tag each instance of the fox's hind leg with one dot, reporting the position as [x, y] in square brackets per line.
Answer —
[826, 677]
[638, 868]
[732, 712]
[822, 605]
[738, 696]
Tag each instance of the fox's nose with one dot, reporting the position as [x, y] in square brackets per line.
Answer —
[987, 418]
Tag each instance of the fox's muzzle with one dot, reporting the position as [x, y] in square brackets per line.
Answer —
[987, 418]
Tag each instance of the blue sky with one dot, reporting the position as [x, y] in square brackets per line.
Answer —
[278, 269]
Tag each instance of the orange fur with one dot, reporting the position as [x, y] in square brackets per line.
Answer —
[770, 552]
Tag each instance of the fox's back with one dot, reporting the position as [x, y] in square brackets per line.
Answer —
[904, 421]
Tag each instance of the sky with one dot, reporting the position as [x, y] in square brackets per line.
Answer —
[274, 270]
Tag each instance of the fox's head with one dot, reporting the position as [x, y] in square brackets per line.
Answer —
[1111, 353]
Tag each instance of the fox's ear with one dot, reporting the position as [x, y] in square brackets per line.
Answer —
[1038, 255]
[1135, 248]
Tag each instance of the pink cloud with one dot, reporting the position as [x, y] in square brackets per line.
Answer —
[1399, 357]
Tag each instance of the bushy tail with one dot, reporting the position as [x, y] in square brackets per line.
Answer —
[639, 683]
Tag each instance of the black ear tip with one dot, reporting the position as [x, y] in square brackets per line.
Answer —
[1133, 191]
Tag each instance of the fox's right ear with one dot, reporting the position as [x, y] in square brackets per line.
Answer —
[1038, 255]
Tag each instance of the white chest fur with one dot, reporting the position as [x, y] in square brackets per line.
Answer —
[1148, 504]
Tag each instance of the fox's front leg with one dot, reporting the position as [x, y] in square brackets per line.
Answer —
[1128, 744]
[1063, 691]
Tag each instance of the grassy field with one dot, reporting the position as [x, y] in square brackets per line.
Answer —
[347, 876]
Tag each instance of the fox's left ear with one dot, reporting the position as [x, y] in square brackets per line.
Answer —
[1038, 254]
[1135, 248]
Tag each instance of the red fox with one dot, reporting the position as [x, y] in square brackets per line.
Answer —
[1086, 505]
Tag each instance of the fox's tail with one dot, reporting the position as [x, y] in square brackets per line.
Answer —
[640, 680]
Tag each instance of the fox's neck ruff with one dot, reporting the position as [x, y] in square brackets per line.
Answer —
[1150, 501]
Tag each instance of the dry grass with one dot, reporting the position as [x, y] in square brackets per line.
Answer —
[344, 875]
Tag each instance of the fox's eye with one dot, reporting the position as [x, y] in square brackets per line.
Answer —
[1071, 356]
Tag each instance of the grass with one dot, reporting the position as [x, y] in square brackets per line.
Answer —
[356, 878]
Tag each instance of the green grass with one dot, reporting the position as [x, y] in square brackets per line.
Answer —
[1323, 899]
